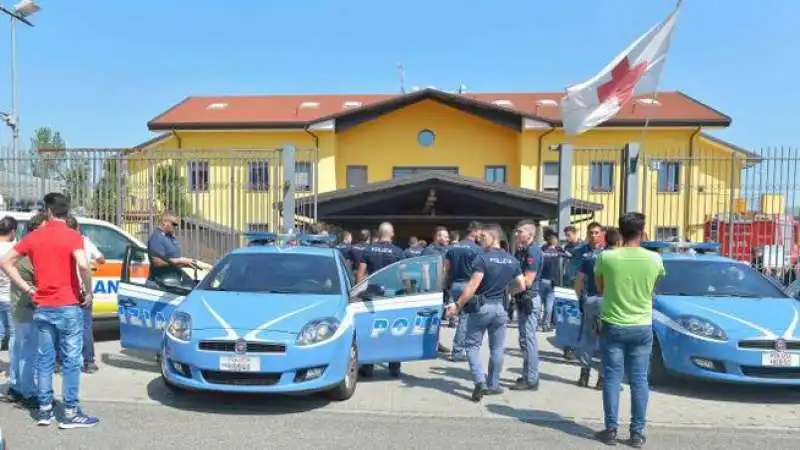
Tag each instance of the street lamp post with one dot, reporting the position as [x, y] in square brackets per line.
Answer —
[20, 12]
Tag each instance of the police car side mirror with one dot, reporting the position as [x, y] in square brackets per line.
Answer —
[372, 291]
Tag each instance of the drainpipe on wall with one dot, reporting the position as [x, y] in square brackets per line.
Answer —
[687, 214]
[540, 178]
[315, 165]
[178, 138]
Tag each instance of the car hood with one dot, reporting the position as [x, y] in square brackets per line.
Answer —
[282, 313]
[743, 317]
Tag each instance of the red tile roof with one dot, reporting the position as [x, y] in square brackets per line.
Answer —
[276, 111]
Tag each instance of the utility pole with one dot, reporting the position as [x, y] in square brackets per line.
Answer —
[402, 72]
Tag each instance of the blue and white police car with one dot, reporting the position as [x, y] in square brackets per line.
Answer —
[277, 318]
[718, 319]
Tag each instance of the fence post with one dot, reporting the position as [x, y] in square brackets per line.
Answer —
[630, 187]
[565, 152]
[120, 186]
[731, 205]
[288, 187]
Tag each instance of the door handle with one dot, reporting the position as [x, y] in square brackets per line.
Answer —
[428, 312]
[127, 303]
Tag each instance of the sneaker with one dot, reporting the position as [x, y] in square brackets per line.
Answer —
[443, 349]
[90, 368]
[637, 440]
[583, 379]
[608, 437]
[477, 392]
[457, 357]
[524, 385]
[44, 417]
[494, 391]
[77, 419]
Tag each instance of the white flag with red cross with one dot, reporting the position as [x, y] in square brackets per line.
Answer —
[635, 71]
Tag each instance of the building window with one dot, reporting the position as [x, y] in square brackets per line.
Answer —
[601, 177]
[550, 177]
[495, 174]
[198, 176]
[667, 233]
[356, 176]
[426, 138]
[258, 175]
[303, 176]
[400, 172]
[257, 227]
[669, 175]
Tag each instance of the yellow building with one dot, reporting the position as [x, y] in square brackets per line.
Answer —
[501, 152]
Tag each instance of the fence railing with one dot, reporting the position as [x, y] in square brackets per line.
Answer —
[219, 194]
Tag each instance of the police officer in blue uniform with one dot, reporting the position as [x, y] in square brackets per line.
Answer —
[414, 249]
[440, 244]
[373, 258]
[364, 239]
[344, 246]
[493, 271]
[529, 305]
[458, 271]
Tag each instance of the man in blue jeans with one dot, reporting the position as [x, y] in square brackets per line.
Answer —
[458, 270]
[626, 277]
[57, 255]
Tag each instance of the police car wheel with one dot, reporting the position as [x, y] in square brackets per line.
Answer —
[658, 375]
[346, 389]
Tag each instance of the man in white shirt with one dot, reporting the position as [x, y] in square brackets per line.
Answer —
[95, 259]
[8, 235]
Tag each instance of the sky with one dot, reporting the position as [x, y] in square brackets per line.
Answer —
[97, 71]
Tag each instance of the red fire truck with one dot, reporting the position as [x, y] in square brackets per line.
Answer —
[776, 233]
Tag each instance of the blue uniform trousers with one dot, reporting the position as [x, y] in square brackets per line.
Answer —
[461, 329]
[491, 318]
[528, 343]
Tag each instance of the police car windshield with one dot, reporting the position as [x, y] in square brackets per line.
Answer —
[715, 279]
[274, 273]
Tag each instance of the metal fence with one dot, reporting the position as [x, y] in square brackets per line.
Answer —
[219, 194]
[748, 202]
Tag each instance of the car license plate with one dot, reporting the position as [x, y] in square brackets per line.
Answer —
[780, 359]
[239, 364]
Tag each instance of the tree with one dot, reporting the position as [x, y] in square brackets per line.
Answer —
[51, 161]
[45, 158]
[106, 204]
[171, 190]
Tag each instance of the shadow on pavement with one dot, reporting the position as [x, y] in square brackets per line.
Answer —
[544, 356]
[131, 360]
[544, 419]
[228, 403]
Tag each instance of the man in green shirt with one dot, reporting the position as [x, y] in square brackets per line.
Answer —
[25, 343]
[626, 276]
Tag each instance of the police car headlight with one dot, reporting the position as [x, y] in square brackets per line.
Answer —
[317, 331]
[701, 327]
[180, 326]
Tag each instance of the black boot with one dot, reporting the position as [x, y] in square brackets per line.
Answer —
[600, 382]
[477, 393]
[583, 379]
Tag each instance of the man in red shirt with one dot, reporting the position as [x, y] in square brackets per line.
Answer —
[56, 253]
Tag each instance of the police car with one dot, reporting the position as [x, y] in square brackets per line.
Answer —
[278, 317]
[112, 242]
[718, 319]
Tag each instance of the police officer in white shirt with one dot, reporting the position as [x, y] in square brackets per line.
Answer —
[95, 259]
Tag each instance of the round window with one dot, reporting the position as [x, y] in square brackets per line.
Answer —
[426, 138]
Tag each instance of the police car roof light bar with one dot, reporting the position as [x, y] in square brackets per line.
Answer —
[260, 237]
[699, 247]
[314, 239]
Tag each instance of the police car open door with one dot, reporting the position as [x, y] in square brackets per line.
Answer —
[150, 289]
[397, 311]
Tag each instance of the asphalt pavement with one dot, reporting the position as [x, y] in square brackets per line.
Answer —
[427, 406]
